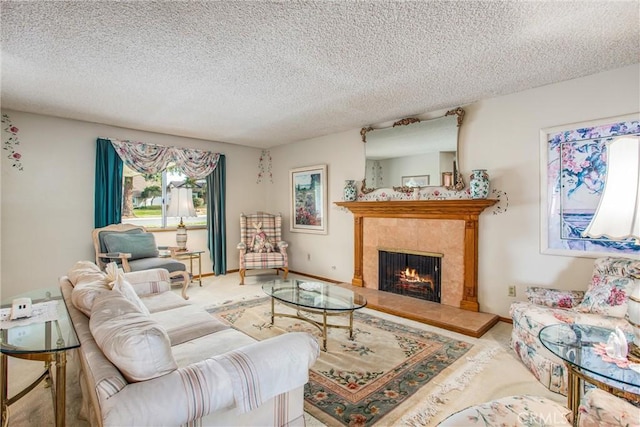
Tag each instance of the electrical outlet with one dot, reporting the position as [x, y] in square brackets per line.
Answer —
[512, 291]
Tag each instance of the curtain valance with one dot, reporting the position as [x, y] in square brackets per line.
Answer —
[151, 158]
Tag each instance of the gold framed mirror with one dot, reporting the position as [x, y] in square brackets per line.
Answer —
[414, 153]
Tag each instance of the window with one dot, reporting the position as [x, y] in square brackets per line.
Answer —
[143, 196]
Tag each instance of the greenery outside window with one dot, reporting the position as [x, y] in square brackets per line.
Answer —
[145, 198]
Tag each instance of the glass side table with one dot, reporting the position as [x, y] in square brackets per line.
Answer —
[174, 253]
[575, 345]
[46, 336]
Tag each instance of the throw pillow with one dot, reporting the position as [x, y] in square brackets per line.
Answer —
[85, 293]
[139, 245]
[555, 298]
[607, 295]
[137, 345]
[121, 285]
[84, 271]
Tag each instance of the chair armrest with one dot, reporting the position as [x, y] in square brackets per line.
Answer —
[242, 247]
[554, 298]
[122, 256]
[115, 255]
[295, 352]
[282, 244]
[178, 399]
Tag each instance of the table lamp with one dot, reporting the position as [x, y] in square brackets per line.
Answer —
[618, 214]
[181, 205]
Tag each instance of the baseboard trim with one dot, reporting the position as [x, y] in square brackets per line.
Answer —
[506, 319]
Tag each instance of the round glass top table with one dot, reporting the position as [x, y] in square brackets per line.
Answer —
[578, 345]
[319, 298]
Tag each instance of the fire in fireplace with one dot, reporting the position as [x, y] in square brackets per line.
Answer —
[413, 274]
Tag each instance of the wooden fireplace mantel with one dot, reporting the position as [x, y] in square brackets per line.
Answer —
[467, 210]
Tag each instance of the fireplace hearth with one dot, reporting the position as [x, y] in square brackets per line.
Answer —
[412, 274]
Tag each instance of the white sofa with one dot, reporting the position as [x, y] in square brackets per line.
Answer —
[151, 358]
[603, 304]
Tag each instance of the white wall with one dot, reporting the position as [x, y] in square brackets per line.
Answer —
[500, 135]
[343, 153]
[47, 209]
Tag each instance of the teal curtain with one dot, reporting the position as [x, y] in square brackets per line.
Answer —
[216, 218]
[108, 191]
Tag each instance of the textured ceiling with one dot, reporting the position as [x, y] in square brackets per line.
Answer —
[266, 73]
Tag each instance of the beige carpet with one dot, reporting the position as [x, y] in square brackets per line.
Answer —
[475, 380]
[365, 380]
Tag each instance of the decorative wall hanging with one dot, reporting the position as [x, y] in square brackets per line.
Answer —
[573, 165]
[264, 166]
[308, 190]
[11, 142]
[503, 201]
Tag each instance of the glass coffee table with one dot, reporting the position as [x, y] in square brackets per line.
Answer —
[576, 345]
[314, 298]
[46, 336]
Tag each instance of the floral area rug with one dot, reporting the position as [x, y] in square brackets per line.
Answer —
[361, 381]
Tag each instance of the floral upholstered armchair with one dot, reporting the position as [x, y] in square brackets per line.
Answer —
[597, 409]
[261, 245]
[603, 304]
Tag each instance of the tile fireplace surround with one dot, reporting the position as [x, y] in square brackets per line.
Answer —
[449, 227]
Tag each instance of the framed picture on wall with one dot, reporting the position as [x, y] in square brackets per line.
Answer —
[308, 190]
[572, 172]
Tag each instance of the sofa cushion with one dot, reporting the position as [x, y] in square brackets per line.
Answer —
[138, 346]
[139, 245]
[163, 301]
[188, 323]
[607, 295]
[168, 264]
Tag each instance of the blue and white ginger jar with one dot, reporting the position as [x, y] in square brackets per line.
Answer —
[479, 184]
[350, 191]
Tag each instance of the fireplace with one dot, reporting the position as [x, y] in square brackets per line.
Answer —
[413, 274]
[449, 227]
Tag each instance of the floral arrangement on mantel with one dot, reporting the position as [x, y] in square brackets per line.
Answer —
[433, 193]
[11, 143]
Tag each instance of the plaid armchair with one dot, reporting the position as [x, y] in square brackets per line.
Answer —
[261, 245]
